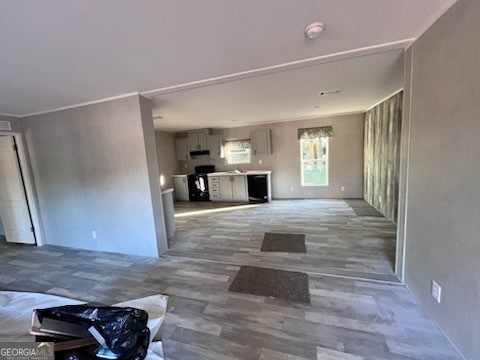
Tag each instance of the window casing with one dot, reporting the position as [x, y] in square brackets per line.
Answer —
[314, 161]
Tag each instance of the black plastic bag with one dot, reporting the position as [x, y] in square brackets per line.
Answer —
[124, 330]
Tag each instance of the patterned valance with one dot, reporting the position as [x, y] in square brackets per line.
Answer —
[315, 132]
[236, 145]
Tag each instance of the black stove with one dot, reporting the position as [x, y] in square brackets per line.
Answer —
[198, 183]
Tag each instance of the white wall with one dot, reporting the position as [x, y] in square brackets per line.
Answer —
[90, 167]
[345, 158]
[443, 197]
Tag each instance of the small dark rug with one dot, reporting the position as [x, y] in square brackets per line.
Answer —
[294, 243]
[286, 285]
[362, 208]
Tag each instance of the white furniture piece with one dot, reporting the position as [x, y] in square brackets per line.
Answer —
[181, 149]
[169, 212]
[198, 140]
[233, 185]
[261, 142]
[180, 187]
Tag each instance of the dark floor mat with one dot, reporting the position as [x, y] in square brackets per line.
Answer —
[286, 285]
[279, 242]
[362, 208]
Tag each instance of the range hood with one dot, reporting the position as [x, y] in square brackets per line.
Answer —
[199, 152]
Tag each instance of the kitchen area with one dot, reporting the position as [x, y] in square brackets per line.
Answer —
[224, 170]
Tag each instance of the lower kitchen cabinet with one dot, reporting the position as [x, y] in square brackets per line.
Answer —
[180, 187]
[228, 188]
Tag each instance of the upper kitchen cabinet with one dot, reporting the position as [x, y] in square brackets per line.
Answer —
[215, 146]
[182, 151]
[198, 140]
[261, 142]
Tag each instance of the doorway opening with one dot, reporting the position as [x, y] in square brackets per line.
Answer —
[16, 193]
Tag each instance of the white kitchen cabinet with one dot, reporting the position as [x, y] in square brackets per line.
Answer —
[181, 149]
[239, 188]
[214, 188]
[261, 142]
[233, 188]
[180, 187]
[215, 146]
[198, 140]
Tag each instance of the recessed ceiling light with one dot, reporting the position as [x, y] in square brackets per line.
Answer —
[329, 92]
[314, 29]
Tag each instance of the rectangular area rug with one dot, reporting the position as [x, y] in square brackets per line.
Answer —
[362, 208]
[287, 285]
[294, 243]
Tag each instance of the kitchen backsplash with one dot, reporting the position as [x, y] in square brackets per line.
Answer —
[188, 166]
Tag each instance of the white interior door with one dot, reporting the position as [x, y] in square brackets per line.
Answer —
[14, 211]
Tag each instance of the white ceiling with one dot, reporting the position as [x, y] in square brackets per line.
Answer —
[58, 53]
[285, 95]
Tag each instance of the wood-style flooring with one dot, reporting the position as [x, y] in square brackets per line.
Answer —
[338, 241]
[348, 318]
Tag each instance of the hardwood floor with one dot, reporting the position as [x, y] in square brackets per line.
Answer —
[348, 318]
[338, 241]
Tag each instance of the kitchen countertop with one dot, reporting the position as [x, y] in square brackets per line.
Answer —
[249, 172]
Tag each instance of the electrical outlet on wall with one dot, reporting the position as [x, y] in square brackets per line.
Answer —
[94, 234]
[342, 188]
[260, 161]
[291, 188]
[436, 291]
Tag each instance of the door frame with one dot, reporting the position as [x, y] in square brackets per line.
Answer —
[29, 185]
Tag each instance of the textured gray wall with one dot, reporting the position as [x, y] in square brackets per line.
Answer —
[167, 162]
[345, 156]
[152, 169]
[15, 122]
[381, 163]
[443, 200]
[90, 170]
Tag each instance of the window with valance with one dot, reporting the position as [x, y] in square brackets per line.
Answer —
[315, 132]
[314, 155]
[237, 151]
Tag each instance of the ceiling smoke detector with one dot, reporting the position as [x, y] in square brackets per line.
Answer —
[313, 30]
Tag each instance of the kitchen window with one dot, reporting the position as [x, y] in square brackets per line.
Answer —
[314, 161]
[237, 151]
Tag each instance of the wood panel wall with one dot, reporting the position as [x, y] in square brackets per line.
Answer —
[382, 155]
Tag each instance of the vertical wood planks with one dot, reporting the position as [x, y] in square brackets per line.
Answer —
[382, 155]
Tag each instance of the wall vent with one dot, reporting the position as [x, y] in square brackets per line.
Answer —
[5, 126]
